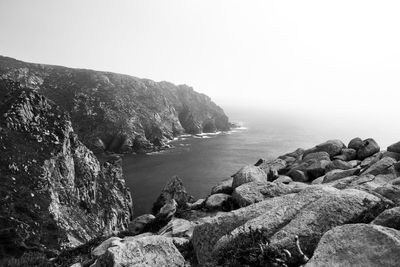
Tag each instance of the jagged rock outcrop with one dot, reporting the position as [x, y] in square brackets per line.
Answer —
[119, 112]
[54, 192]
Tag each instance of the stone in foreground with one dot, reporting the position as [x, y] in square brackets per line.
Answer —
[358, 245]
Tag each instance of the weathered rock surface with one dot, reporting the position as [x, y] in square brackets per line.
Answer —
[389, 218]
[218, 202]
[248, 174]
[283, 179]
[394, 147]
[355, 143]
[338, 165]
[224, 186]
[358, 245]
[138, 224]
[178, 228]
[339, 174]
[174, 189]
[332, 147]
[124, 113]
[54, 192]
[383, 166]
[368, 148]
[253, 192]
[347, 154]
[146, 251]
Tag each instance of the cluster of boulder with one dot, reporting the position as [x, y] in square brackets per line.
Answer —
[330, 205]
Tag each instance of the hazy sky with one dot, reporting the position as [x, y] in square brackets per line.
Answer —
[335, 57]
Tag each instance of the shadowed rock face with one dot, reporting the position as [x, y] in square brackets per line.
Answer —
[54, 193]
[119, 112]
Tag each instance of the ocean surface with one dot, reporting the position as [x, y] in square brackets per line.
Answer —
[202, 161]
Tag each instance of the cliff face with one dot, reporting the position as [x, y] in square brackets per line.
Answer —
[118, 112]
[54, 193]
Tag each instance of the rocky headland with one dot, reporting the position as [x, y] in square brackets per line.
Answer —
[116, 112]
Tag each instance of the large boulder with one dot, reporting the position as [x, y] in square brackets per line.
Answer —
[283, 179]
[322, 155]
[389, 218]
[224, 186]
[355, 143]
[367, 162]
[253, 192]
[248, 174]
[206, 235]
[138, 224]
[383, 166]
[342, 207]
[368, 148]
[390, 191]
[178, 228]
[272, 166]
[146, 251]
[393, 155]
[332, 147]
[307, 218]
[174, 189]
[394, 147]
[347, 154]
[339, 174]
[358, 245]
[312, 169]
[338, 165]
[218, 202]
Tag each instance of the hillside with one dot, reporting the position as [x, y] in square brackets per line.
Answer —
[118, 112]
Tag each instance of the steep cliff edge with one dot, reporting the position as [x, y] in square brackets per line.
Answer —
[54, 193]
[119, 112]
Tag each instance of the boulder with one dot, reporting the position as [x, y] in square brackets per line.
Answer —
[389, 191]
[394, 147]
[319, 180]
[177, 228]
[206, 235]
[354, 163]
[383, 166]
[224, 187]
[339, 174]
[138, 224]
[297, 175]
[146, 251]
[371, 160]
[389, 218]
[347, 154]
[283, 179]
[248, 174]
[272, 166]
[331, 210]
[355, 143]
[338, 165]
[253, 192]
[174, 189]
[368, 148]
[198, 204]
[297, 154]
[322, 155]
[358, 245]
[393, 155]
[218, 202]
[332, 147]
[102, 248]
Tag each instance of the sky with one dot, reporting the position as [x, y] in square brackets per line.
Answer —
[333, 58]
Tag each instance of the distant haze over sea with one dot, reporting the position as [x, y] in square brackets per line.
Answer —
[202, 161]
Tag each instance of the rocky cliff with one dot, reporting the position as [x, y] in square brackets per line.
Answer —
[119, 112]
[54, 193]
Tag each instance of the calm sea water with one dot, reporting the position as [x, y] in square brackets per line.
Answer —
[202, 161]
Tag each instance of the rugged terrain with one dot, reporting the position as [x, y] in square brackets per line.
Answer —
[330, 205]
[54, 192]
[118, 112]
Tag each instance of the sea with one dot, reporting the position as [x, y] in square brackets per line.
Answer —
[201, 161]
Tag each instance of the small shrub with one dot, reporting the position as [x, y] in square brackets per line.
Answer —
[252, 249]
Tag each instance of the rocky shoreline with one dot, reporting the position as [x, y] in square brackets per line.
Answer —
[330, 205]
